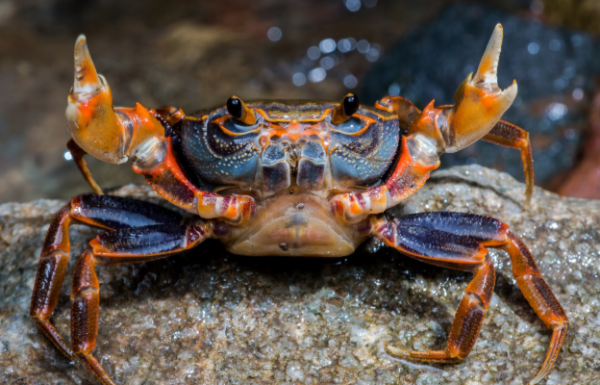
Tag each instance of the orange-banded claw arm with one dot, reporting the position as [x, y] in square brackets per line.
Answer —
[167, 178]
[410, 174]
[503, 133]
[479, 104]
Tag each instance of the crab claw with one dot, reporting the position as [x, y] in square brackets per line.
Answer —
[91, 119]
[479, 105]
[109, 134]
[479, 102]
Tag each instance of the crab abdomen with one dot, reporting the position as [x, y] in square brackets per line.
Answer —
[296, 223]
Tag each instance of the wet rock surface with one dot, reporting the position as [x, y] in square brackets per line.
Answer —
[207, 316]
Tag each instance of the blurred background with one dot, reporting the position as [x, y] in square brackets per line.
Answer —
[196, 54]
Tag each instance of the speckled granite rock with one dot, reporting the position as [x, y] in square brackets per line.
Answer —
[210, 317]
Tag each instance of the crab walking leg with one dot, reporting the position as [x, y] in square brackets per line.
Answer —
[129, 245]
[455, 252]
[50, 276]
[78, 153]
[491, 232]
[540, 297]
[503, 133]
[116, 135]
[101, 211]
[479, 104]
[509, 135]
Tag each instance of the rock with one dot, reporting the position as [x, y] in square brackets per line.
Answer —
[211, 317]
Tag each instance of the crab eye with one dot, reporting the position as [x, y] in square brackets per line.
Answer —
[239, 111]
[234, 107]
[350, 104]
[346, 109]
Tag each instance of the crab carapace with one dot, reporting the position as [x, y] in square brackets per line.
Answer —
[287, 178]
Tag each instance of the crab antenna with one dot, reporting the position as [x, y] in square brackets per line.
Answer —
[87, 80]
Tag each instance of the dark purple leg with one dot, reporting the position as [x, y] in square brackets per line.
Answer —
[138, 244]
[438, 234]
[107, 212]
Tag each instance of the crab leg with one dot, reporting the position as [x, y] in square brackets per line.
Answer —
[509, 135]
[101, 211]
[78, 153]
[50, 276]
[487, 232]
[455, 252]
[129, 245]
[479, 104]
[116, 135]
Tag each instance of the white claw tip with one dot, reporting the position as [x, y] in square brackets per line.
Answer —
[510, 93]
[81, 52]
[488, 67]
[86, 77]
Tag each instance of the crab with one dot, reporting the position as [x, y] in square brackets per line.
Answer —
[287, 178]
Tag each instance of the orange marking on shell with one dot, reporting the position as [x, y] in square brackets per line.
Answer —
[325, 113]
[264, 141]
[368, 122]
[223, 119]
[293, 131]
[384, 107]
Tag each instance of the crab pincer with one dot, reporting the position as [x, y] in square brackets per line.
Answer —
[479, 104]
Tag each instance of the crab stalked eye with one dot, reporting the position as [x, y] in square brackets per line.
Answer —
[235, 107]
[350, 104]
[239, 111]
[346, 109]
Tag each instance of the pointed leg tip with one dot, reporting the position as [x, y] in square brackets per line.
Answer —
[539, 377]
[395, 352]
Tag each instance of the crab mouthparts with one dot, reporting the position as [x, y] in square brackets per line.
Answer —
[298, 224]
